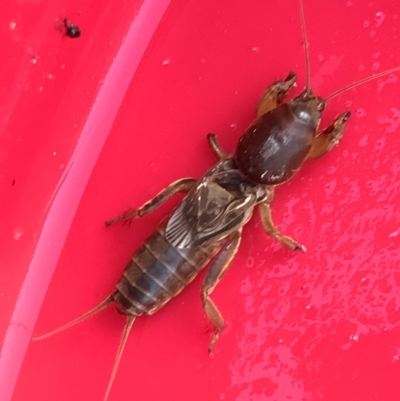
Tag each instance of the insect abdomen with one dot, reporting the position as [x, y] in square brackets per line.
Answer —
[157, 272]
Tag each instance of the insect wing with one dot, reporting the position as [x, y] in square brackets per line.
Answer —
[208, 211]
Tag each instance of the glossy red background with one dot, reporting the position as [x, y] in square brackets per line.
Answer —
[84, 135]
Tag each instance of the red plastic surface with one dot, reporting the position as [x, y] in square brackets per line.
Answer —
[85, 135]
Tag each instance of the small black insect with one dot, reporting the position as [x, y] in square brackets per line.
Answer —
[71, 30]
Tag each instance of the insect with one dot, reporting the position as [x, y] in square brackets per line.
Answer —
[71, 30]
[209, 220]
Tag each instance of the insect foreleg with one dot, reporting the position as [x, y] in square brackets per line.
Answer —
[182, 185]
[217, 269]
[270, 229]
[329, 137]
[275, 94]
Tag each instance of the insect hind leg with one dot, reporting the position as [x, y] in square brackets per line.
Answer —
[217, 269]
[275, 94]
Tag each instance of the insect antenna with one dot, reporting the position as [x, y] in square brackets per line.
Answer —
[305, 44]
[361, 81]
[92, 312]
[125, 334]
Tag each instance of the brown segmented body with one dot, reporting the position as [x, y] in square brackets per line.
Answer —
[158, 271]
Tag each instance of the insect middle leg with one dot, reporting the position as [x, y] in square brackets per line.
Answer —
[329, 137]
[217, 269]
[182, 185]
[275, 94]
[270, 229]
[216, 147]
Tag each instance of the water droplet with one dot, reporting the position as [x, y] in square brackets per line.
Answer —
[379, 18]
[18, 233]
[250, 262]
[363, 141]
[375, 66]
[361, 67]
[376, 55]
[320, 58]
[330, 187]
[361, 113]
[254, 49]
[165, 62]
[13, 25]
[372, 33]
[366, 24]
[349, 4]
[233, 126]
[348, 103]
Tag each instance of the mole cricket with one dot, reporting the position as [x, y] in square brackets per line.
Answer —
[206, 227]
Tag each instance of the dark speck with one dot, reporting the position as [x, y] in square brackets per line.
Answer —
[72, 31]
